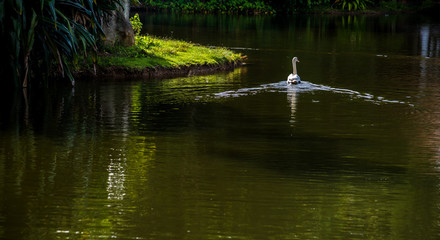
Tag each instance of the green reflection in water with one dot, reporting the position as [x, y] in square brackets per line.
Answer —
[110, 175]
[154, 160]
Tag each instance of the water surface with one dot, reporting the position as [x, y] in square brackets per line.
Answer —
[351, 153]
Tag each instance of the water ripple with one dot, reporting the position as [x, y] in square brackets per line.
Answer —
[304, 87]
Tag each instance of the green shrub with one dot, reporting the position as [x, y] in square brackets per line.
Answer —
[137, 24]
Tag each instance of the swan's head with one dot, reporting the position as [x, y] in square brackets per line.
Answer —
[295, 59]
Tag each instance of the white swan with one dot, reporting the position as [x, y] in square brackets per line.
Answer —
[293, 78]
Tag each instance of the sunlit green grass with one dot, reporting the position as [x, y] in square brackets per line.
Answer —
[151, 52]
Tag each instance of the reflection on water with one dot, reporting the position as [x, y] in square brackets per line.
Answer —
[353, 153]
[292, 99]
[294, 90]
[116, 175]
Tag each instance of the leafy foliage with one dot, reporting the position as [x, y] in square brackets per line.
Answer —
[222, 6]
[297, 5]
[136, 23]
[283, 6]
[352, 5]
[46, 36]
[141, 42]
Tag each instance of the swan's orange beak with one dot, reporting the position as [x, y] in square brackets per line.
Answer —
[297, 60]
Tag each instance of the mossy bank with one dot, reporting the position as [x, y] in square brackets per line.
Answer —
[161, 57]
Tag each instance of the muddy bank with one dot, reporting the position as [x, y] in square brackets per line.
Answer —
[119, 72]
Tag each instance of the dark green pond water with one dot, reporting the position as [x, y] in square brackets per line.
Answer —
[351, 153]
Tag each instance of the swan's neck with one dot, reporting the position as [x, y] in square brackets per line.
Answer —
[294, 67]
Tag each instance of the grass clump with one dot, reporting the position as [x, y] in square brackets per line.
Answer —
[150, 52]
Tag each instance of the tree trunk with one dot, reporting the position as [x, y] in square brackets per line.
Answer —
[117, 27]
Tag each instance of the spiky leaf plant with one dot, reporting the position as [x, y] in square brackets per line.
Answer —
[46, 37]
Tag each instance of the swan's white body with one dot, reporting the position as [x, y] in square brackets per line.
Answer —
[293, 78]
